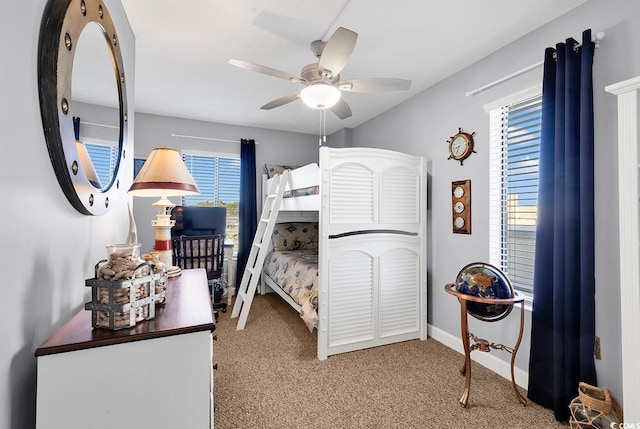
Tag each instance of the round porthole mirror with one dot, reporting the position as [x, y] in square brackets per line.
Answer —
[61, 33]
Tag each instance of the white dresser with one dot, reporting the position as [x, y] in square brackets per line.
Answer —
[157, 374]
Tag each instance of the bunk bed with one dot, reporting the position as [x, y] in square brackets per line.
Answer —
[370, 284]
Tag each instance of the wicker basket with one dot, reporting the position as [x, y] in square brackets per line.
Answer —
[594, 407]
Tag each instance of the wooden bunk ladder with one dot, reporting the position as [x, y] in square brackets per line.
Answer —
[259, 249]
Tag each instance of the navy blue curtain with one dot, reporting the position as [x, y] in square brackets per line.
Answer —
[563, 319]
[248, 209]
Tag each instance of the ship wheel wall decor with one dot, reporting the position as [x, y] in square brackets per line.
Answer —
[461, 146]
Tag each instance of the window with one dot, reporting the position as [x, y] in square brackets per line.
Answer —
[218, 180]
[104, 158]
[515, 152]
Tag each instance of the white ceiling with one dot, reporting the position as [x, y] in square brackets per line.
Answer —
[182, 49]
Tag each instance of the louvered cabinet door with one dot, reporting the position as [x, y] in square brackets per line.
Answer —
[399, 291]
[374, 298]
[351, 298]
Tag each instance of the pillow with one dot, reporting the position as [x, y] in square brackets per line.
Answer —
[273, 169]
[295, 236]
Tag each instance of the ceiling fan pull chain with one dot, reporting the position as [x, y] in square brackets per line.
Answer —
[320, 130]
[324, 125]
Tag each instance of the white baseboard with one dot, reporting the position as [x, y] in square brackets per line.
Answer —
[487, 360]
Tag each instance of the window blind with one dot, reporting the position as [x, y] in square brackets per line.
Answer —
[217, 179]
[515, 158]
[104, 158]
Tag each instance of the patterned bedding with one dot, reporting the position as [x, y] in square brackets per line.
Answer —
[293, 265]
[313, 190]
[296, 272]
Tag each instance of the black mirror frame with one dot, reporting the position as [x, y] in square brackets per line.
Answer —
[62, 23]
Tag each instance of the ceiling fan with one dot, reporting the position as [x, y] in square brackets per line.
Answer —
[323, 86]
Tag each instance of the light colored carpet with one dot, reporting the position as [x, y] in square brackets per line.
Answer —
[269, 377]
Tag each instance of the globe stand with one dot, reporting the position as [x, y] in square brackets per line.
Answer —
[484, 345]
[481, 345]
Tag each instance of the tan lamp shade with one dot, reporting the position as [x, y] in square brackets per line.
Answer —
[163, 174]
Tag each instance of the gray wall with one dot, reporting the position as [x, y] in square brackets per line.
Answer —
[423, 124]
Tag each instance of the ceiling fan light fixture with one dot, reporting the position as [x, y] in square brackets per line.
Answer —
[320, 96]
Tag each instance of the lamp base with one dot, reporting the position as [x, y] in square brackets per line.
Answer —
[162, 244]
[163, 224]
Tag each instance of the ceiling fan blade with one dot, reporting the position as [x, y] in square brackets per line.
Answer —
[337, 51]
[265, 70]
[280, 101]
[374, 85]
[341, 109]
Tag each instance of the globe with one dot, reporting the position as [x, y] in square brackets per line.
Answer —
[485, 281]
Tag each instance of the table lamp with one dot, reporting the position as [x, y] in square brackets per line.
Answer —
[163, 175]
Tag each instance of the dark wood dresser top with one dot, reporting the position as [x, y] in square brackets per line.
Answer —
[188, 309]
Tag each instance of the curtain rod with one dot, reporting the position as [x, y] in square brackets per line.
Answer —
[100, 125]
[596, 39]
[175, 136]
